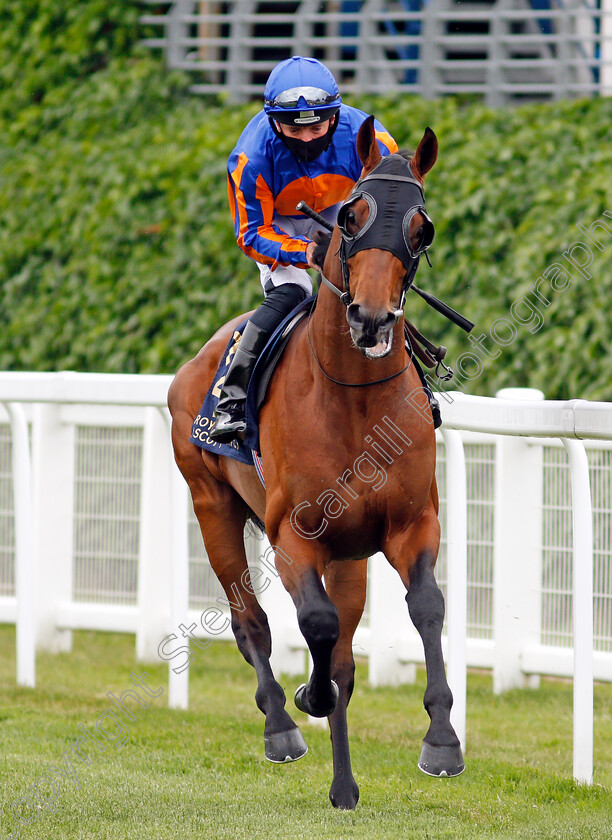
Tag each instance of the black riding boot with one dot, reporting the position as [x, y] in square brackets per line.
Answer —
[230, 418]
[230, 412]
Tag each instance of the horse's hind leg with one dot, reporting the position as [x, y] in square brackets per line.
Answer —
[225, 548]
[345, 584]
[413, 553]
[221, 514]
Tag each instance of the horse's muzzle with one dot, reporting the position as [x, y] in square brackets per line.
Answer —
[371, 332]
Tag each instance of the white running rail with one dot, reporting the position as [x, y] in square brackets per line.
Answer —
[42, 601]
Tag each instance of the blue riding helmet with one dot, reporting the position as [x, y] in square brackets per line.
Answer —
[301, 91]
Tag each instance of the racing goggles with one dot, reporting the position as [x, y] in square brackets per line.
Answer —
[312, 96]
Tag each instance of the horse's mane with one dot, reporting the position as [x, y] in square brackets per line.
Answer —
[320, 252]
[407, 154]
[323, 239]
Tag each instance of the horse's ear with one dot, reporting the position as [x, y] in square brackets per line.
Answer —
[426, 154]
[367, 146]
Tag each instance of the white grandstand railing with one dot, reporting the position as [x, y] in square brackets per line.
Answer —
[503, 51]
[46, 611]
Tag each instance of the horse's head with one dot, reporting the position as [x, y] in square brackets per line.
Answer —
[384, 229]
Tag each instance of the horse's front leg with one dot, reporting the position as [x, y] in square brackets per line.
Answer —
[345, 583]
[300, 564]
[413, 553]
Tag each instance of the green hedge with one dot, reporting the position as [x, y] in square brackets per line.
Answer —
[46, 43]
[117, 250]
[508, 190]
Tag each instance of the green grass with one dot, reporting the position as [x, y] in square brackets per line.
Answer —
[202, 773]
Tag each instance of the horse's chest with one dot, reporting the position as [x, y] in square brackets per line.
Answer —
[355, 500]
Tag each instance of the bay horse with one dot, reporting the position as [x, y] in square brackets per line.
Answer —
[323, 511]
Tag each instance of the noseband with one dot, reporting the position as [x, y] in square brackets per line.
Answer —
[394, 196]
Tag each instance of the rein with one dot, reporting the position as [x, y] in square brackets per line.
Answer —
[344, 296]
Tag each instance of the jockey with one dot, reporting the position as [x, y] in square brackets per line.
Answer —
[301, 147]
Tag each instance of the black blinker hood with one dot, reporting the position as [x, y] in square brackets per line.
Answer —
[393, 194]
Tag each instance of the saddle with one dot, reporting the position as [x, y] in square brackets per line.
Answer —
[264, 368]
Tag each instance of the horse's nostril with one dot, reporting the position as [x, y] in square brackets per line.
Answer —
[354, 315]
[388, 319]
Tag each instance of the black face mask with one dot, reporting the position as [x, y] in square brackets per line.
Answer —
[310, 150]
[394, 196]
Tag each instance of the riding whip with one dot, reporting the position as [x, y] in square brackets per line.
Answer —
[445, 309]
[316, 217]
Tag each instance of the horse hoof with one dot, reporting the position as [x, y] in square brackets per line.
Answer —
[344, 794]
[441, 761]
[303, 706]
[282, 747]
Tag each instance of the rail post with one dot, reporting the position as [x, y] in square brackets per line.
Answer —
[517, 555]
[53, 460]
[178, 683]
[288, 652]
[24, 546]
[389, 626]
[457, 578]
[155, 543]
[582, 521]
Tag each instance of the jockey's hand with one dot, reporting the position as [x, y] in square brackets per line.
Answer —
[310, 249]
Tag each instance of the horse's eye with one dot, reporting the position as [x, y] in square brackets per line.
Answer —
[350, 222]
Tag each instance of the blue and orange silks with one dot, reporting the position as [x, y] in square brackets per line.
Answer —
[265, 181]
